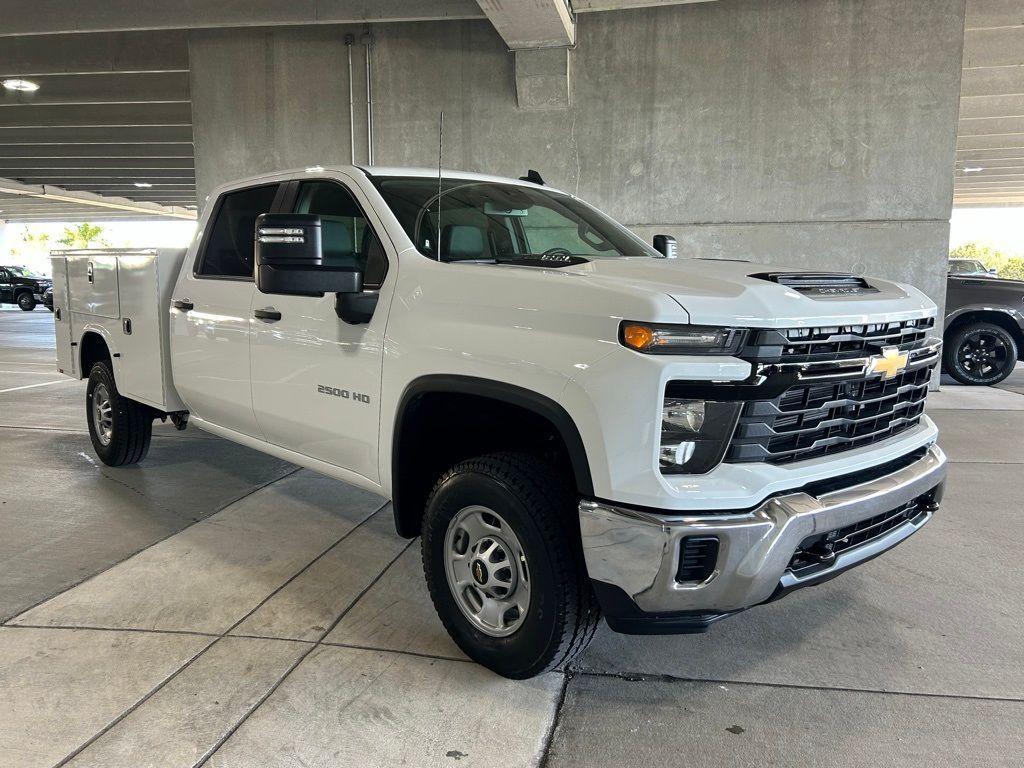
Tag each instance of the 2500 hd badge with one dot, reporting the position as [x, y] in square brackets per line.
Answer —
[326, 389]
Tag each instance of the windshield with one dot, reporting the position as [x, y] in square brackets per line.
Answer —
[967, 267]
[19, 271]
[490, 221]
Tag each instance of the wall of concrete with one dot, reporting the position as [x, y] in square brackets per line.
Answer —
[818, 133]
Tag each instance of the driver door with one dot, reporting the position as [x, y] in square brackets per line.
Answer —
[316, 379]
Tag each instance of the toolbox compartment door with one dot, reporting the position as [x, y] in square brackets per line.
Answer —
[92, 284]
[66, 357]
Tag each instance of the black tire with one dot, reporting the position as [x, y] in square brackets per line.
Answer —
[26, 301]
[980, 354]
[131, 423]
[540, 508]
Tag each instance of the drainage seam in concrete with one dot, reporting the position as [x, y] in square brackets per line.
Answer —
[129, 556]
[556, 719]
[113, 723]
[217, 638]
[642, 677]
[319, 643]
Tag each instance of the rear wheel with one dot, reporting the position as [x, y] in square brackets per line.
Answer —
[504, 572]
[26, 301]
[980, 353]
[120, 428]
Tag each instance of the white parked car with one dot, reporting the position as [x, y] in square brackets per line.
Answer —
[576, 423]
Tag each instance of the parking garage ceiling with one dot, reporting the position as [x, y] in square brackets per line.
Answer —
[107, 132]
[990, 137]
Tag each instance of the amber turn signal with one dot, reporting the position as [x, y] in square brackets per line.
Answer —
[637, 336]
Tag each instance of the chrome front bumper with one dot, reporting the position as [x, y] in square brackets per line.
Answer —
[638, 552]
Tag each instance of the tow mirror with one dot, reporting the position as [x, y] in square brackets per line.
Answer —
[289, 258]
[665, 245]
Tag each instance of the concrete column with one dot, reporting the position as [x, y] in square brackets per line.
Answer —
[542, 78]
[817, 134]
[273, 99]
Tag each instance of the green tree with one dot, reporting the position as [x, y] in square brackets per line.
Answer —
[85, 235]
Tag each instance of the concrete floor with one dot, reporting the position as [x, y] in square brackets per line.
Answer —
[215, 606]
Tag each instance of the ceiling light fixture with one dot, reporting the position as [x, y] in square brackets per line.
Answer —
[17, 84]
[142, 184]
[972, 170]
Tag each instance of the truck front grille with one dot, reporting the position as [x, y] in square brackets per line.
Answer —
[820, 413]
[811, 420]
[843, 342]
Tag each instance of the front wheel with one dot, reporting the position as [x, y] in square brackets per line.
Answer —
[26, 301]
[120, 428]
[504, 573]
[980, 353]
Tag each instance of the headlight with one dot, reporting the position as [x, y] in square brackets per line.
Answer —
[695, 434]
[658, 339]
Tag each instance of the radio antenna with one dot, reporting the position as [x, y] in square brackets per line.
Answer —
[440, 151]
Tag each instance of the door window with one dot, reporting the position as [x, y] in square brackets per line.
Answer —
[348, 239]
[230, 245]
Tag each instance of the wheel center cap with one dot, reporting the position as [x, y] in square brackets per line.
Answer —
[479, 572]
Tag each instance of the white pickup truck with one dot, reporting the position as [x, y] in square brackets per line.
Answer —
[577, 424]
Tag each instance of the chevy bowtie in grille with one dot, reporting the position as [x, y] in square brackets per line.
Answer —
[829, 410]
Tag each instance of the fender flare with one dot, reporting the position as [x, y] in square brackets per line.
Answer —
[527, 399]
[1015, 315]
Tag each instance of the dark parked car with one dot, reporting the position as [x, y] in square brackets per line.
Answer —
[19, 286]
[984, 336]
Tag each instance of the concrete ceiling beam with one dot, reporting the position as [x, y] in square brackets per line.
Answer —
[99, 163]
[96, 150]
[990, 141]
[990, 126]
[35, 17]
[124, 134]
[95, 115]
[84, 175]
[586, 6]
[164, 51]
[531, 23]
[88, 200]
[992, 81]
[102, 88]
[988, 14]
[1000, 47]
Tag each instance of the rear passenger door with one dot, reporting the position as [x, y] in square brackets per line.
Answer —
[211, 314]
[315, 378]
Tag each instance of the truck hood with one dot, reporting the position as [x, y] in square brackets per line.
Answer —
[718, 292]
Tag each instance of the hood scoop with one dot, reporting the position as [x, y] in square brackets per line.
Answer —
[820, 284]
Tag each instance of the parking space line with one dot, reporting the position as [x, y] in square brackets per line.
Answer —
[33, 386]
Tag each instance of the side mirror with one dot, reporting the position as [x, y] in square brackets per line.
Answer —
[993, 271]
[665, 245]
[289, 258]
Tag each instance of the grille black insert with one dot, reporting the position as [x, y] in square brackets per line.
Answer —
[806, 345]
[698, 556]
[820, 550]
[810, 420]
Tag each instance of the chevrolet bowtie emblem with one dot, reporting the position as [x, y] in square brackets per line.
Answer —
[889, 364]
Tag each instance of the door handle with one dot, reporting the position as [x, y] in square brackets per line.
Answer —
[185, 305]
[270, 315]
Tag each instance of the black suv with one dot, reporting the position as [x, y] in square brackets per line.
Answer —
[21, 287]
[984, 335]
